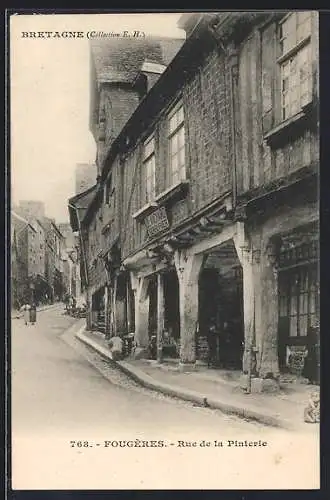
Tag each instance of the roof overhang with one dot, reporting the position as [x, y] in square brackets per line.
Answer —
[77, 206]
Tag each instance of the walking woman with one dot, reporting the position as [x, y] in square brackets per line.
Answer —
[26, 312]
[33, 313]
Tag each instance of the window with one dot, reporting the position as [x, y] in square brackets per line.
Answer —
[177, 170]
[149, 180]
[298, 299]
[295, 63]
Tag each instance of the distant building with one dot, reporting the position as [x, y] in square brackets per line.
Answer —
[46, 254]
[54, 265]
[28, 258]
[19, 268]
[85, 176]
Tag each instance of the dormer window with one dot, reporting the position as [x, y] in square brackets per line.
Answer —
[152, 70]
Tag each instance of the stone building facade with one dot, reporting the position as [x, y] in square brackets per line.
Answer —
[21, 232]
[205, 216]
[40, 249]
[29, 251]
[54, 264]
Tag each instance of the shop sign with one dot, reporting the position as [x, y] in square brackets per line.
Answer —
[295, 358]
[157, 221]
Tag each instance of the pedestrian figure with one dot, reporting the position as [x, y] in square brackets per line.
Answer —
[26, 312]
[152, 347]
[116, 348]
[312, 411]
[33, 313]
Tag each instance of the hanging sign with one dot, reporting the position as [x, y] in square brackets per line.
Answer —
[157, 221]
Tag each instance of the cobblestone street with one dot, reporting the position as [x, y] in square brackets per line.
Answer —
[63, 392]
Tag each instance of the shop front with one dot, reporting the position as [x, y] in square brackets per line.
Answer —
[188, 296]
[164, 313]
[298, 281]
[220, 335]
[98, 311]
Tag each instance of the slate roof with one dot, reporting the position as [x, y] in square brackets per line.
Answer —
[120, 59]
[81, 201]
[18, 223]
[16, 218]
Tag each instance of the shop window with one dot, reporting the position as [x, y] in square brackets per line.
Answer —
[176, 138]
[295, 63]
[298, 299]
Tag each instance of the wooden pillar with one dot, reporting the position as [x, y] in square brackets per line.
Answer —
[128, 307]
[249, 310]
[141, 299]
[188, 268]
[269, 366]
[246, 257]
[160, 315]
[106, 311]
[113, 316]
[88, 309]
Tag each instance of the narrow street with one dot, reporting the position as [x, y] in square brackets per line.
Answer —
[63, 392]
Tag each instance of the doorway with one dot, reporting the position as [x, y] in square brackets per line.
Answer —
[220, 338]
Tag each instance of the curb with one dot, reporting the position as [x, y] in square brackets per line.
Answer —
[186, 394]
[75, 328]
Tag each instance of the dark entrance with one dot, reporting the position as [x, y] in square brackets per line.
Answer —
[171, 335]
[220, 337]
[98, 313]
[171, 330]
[121, 305]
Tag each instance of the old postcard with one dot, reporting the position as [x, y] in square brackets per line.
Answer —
[164, 250]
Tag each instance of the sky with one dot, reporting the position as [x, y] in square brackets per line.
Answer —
[49, 100]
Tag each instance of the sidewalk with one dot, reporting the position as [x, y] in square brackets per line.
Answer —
[213, 388]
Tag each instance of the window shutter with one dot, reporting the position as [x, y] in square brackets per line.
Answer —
[268, 62]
